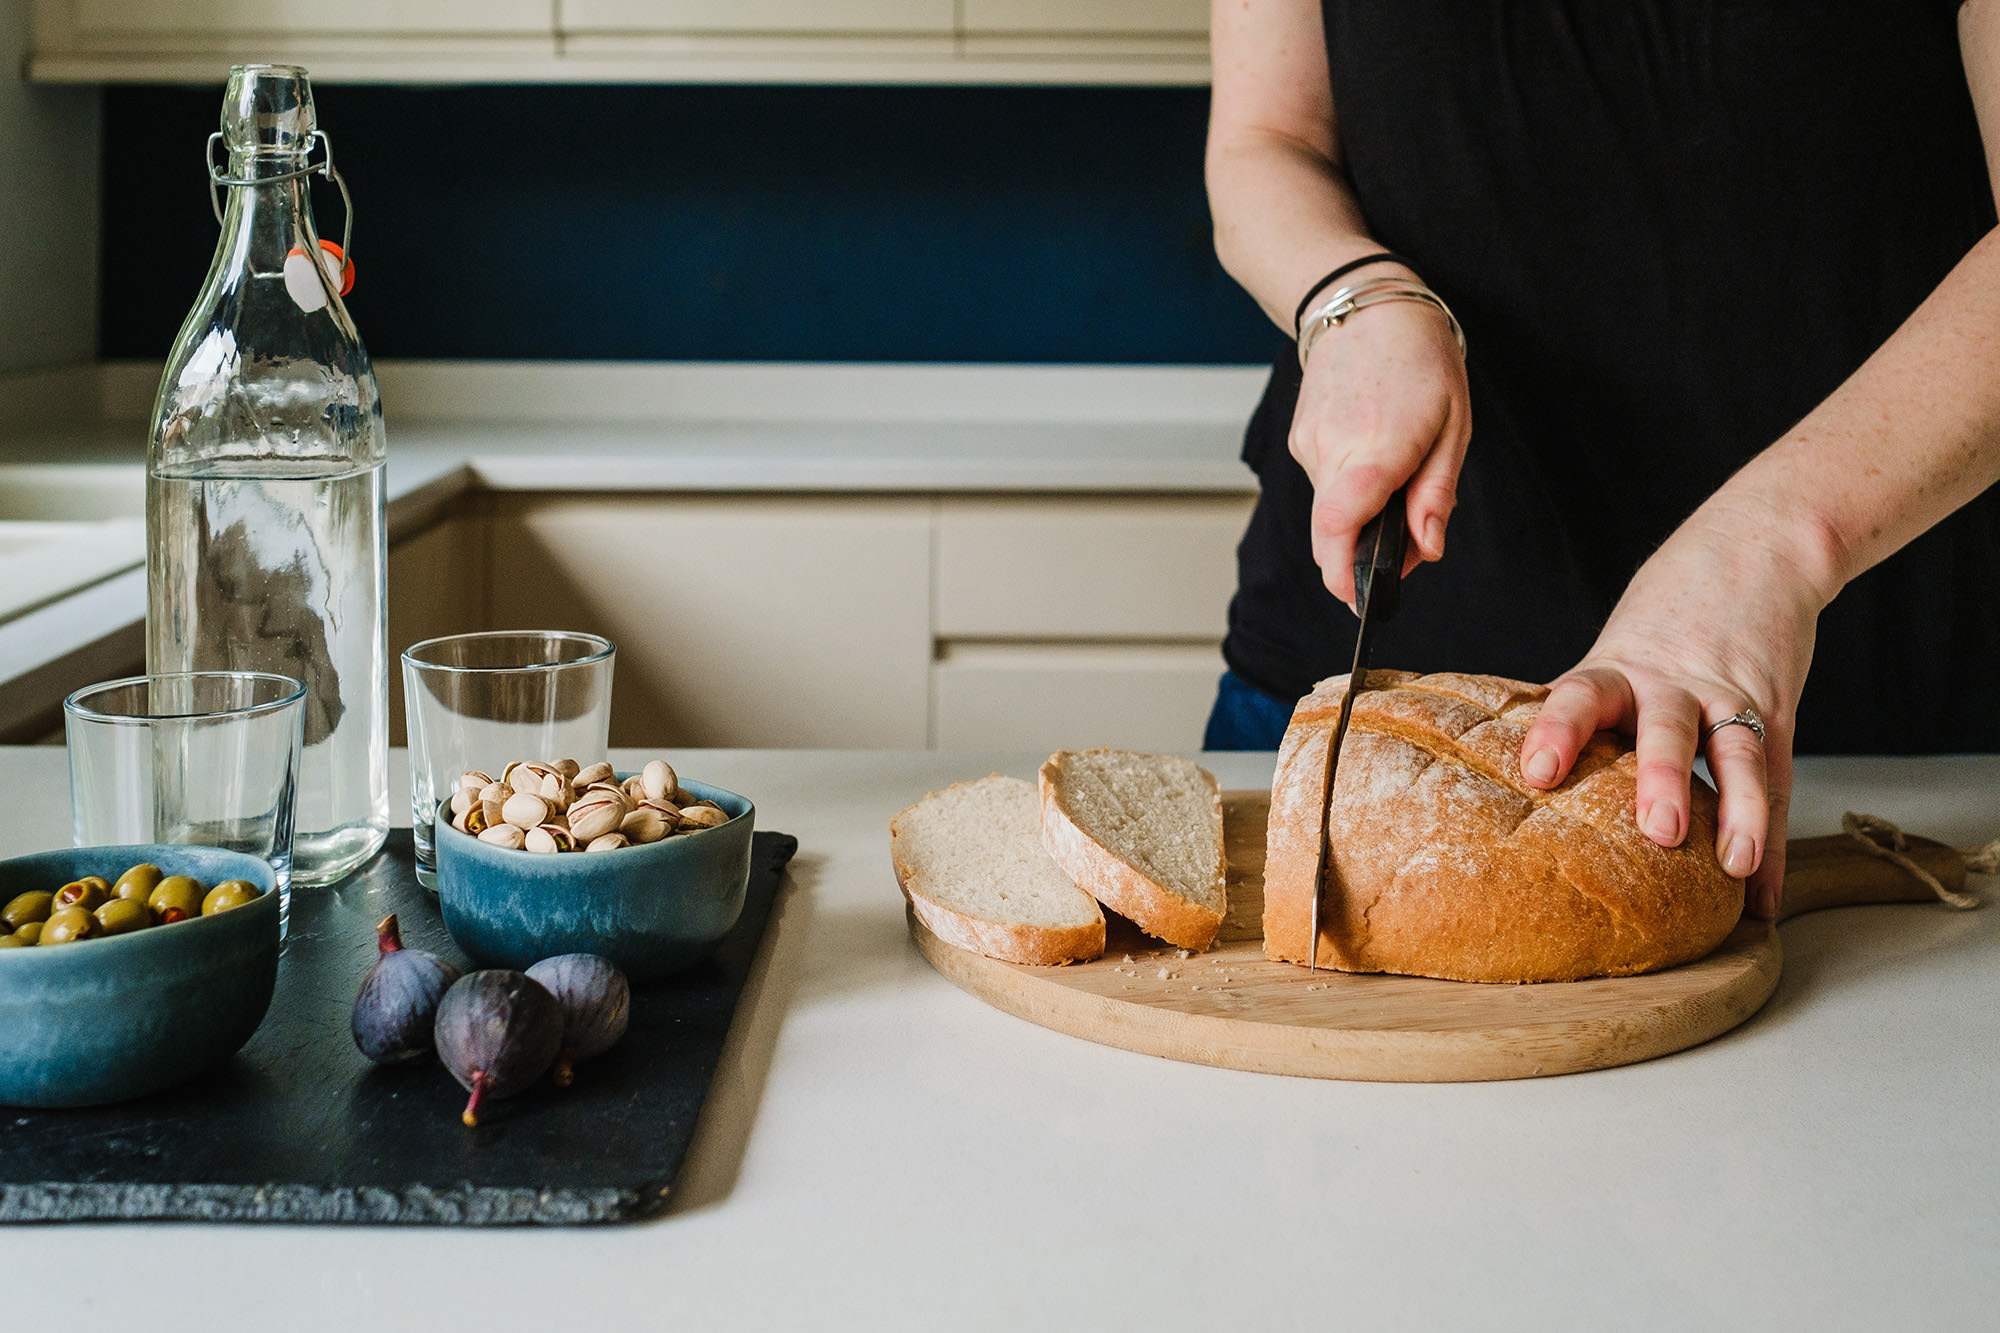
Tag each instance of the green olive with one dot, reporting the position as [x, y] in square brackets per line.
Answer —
[138, 882]
[12, 942]
[27, 907]
[230, 893]
[31, 933]
[122, 916]
[67, 926]
[176, 898]
[88, 893]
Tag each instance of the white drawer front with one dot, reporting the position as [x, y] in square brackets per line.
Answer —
[1051, 697]
[1151, 568]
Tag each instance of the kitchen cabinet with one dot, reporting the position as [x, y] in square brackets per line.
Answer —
[776, 16]
[741, 41]
[784, 621]
[836, 621]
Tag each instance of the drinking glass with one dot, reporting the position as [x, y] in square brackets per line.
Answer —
[481, 701]
[202, 758]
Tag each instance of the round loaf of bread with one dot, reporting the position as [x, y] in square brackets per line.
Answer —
[1447, 864]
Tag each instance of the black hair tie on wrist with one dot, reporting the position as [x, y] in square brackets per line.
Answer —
[1382, 257]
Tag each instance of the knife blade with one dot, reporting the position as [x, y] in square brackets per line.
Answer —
[1378, 595]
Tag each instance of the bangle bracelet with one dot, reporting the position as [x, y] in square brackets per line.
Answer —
[1380, 257]
[1360, 296]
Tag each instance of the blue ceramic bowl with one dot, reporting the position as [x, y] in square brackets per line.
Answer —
[652, 910]
[108, 1019]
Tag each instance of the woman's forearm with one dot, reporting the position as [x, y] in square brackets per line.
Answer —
[1284, 217]
[1284, 214]
[1913, 435]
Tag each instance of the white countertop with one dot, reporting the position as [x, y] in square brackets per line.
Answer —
[883, 1151]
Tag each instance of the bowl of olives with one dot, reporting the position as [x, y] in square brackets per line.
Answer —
[652, 908]
[126, 970]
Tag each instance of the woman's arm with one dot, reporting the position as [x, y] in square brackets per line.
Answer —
[1384, 400]
[1723, 614]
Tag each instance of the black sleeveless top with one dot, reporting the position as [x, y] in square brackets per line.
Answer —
[1670, 228]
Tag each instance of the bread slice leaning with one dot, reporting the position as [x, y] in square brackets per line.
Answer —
[971, 862]
[1141, 833]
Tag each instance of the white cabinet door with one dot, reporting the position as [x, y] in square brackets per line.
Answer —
[1136, 17]
[1071, 696]
[225, 18]
[800, 16]
[739, 622]
[1140, 568]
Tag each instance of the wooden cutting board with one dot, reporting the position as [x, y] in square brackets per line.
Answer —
[1229, 1007]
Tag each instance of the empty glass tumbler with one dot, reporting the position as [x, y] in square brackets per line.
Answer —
[207, 758]
[481, 701]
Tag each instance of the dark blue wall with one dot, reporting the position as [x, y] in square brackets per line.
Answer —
[728, 223]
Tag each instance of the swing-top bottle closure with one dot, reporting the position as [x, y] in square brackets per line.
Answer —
[268, 135]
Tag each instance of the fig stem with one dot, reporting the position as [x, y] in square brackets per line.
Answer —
[388, 935]
[479, 1083]
[565, 1070]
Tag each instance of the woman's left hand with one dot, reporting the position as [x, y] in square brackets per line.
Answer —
[1721, 618]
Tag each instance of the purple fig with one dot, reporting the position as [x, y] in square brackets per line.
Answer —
[497, 1032]
[397, 1007]
[596, 1004]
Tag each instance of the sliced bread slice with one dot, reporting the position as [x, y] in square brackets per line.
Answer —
[1141, 833]
[971, 862]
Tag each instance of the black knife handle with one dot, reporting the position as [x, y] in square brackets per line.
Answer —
[1380, 552]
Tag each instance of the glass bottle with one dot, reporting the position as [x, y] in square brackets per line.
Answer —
[264, 487]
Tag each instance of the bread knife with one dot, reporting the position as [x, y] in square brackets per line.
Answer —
[1378, 595]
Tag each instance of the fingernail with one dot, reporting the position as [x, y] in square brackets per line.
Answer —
[1663, 824]
[1434, 537]
[1541, 766]
[1739, 856]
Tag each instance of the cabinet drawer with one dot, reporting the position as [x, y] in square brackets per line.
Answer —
[1057, 696]
[1175, 17]
[739, 622]
[232, 18]
[1087, 569]
[800, 16]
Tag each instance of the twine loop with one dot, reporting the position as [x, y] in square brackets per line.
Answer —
[1881, 838]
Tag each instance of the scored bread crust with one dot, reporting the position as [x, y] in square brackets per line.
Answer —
[1107, 877]
[1447, 864]
[1012, 942]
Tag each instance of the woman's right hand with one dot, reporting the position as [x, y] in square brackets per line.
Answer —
[1383, 402]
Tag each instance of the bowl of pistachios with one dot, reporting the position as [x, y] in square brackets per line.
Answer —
[647, 869]
[127, 970]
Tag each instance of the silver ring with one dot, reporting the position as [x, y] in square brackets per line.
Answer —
[1749, 717]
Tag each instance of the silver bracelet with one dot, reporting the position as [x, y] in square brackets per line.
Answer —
[1344, 302]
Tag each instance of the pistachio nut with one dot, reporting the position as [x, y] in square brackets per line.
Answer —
[473, 780]
[524, 811]
[593, 817]
[645, 825]
[610, 842]
[557, 793]
[462, 800]
[504, 835]
[659, 781]
[475, 821]
[703, 816]
[569, 768]
[591, 776]
[548, 839]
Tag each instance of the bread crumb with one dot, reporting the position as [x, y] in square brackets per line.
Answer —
[1183, 953]
[1166, 975]
[1128, 957]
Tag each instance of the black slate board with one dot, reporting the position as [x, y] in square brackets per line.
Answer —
[299, 1127]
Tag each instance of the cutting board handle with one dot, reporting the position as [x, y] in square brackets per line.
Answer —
[1834, 872]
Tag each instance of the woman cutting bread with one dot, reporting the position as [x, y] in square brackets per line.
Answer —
[1728, 284]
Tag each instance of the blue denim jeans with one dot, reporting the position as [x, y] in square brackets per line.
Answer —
[1244, 717]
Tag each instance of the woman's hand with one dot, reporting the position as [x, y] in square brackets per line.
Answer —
[1721, 618]
[1383, 402]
